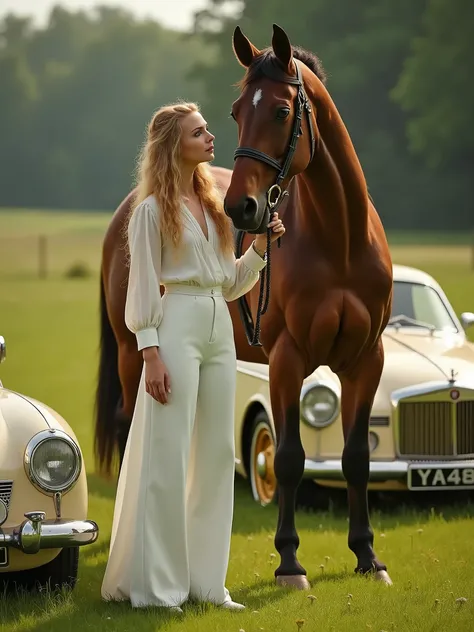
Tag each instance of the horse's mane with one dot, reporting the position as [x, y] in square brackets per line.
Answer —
[268, 58]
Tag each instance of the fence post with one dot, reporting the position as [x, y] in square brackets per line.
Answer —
[42, 257]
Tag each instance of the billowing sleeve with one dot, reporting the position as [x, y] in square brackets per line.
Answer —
[143, 307]
[246, 273]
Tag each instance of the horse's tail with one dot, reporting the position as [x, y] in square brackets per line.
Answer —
[108, 392]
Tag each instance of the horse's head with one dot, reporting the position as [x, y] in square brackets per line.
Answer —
[272, 112]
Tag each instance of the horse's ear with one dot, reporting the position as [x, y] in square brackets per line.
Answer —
[244, 50]
[282, 48]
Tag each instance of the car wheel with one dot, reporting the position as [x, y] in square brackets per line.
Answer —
[58, 574]
[262, 454]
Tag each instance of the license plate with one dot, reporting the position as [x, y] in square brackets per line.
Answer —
[3, 556]
[442, 477]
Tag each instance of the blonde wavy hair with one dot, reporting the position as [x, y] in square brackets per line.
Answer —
[158, 173]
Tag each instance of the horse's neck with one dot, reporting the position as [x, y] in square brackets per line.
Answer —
[336, 184]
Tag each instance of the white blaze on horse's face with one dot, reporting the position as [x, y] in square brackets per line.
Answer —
[256, 97]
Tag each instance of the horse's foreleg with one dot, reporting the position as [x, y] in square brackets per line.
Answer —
[358, 392]
[130, 363]
[286, 378]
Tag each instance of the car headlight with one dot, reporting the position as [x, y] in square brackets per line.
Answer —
[319, 405]
[53, 461]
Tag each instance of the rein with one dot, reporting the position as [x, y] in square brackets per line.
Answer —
[253, 333]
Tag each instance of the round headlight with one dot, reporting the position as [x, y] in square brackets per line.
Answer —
[53, 461]
[319, 405]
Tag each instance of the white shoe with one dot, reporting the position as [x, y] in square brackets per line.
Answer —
[175, 609]
[232, 605]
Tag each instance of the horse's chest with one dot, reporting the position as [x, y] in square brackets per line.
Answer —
[327, 310]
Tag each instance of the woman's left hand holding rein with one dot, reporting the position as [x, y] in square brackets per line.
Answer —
[277, 231]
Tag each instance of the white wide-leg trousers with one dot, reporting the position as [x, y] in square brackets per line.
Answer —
[173, 513]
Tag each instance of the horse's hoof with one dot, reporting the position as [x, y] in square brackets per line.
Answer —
[293, 581]
[384, 577]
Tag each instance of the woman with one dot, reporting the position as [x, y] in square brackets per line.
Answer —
[173, 514]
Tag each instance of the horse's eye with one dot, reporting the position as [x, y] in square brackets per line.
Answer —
[283, 113]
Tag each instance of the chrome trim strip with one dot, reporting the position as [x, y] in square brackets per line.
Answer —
[426, 388]
[380, 471]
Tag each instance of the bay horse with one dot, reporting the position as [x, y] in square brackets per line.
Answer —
[331, 283]
[331, 280]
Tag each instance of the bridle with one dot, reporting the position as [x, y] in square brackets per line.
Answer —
[275, 195]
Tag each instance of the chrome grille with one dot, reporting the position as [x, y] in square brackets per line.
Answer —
[6, 492]
[465, 428]
[436, 429]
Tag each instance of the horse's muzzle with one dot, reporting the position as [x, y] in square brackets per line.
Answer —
[249, 214]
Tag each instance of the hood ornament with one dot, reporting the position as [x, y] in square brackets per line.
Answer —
[453, 377]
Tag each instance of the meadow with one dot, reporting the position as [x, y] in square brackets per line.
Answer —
[51, 328]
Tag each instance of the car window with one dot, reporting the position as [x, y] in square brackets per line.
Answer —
[421, 303]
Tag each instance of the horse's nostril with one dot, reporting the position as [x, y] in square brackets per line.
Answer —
[250, 207]
[244, 210]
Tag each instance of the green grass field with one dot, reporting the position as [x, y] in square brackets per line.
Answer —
[51, 328]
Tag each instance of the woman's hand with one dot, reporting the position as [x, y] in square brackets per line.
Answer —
[157, 379]
[278, 230]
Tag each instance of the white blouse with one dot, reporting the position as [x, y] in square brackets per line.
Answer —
[198, 261]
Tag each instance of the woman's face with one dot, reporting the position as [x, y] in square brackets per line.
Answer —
[197, 143]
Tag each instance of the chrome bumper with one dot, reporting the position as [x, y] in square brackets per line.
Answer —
[36, 533]
[380, 471]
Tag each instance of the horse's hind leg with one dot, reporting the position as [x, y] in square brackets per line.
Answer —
[358, 392]
[286, 377]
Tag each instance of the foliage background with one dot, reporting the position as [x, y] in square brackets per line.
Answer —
[77, 94]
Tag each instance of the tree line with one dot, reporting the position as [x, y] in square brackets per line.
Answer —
[77, 94]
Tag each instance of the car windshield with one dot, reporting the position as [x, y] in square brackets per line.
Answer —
[417, 305]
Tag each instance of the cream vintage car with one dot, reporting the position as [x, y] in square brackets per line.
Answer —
[421, 433]
[43, 495]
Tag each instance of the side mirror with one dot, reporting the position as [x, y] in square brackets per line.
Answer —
[3, 348]
[467, 319]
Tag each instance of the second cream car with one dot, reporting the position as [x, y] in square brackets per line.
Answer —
[422, 423]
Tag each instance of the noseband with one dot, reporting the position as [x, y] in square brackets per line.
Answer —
[274, 194]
